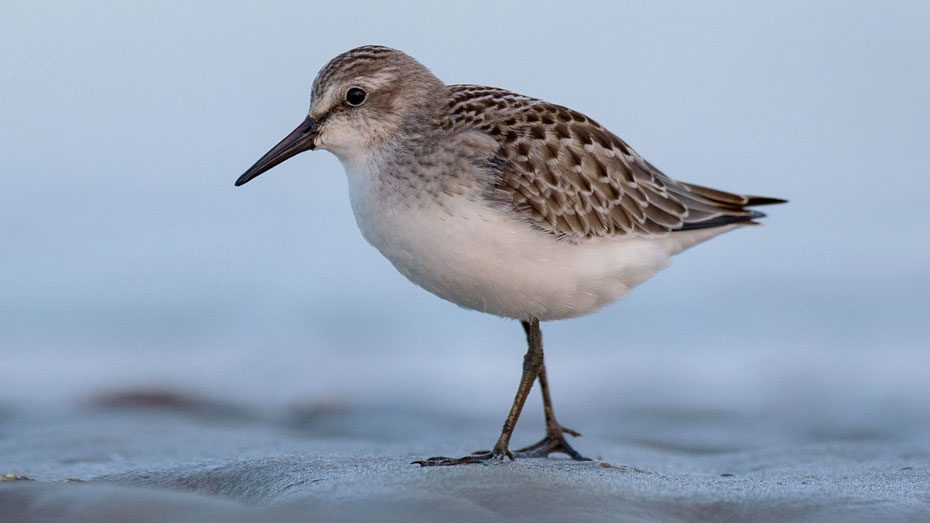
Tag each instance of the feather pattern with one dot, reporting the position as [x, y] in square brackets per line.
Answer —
[570, 176]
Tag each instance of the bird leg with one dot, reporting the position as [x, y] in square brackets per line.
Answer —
[555, 434]
[532, 362]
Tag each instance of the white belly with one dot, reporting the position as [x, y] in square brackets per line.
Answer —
[484, 259]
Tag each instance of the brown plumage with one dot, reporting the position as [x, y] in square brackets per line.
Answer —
[571, 176]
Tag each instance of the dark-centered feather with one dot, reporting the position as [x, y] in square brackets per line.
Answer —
[571, 176]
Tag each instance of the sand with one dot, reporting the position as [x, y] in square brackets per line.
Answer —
[145, 456]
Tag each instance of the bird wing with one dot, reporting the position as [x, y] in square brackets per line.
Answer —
[572, 177]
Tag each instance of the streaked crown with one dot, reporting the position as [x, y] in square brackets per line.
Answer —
[371, 95]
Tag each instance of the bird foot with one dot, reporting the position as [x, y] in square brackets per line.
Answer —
[553, 442]
[484, 457]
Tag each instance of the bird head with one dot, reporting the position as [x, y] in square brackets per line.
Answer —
[361, 101]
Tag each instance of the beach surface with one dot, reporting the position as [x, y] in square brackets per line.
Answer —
[149, 455]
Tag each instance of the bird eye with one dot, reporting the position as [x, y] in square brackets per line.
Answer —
[355, 96]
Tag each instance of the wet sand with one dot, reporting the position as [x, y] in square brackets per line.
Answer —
[144, 456]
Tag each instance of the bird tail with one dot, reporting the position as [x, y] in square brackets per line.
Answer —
[714, 208]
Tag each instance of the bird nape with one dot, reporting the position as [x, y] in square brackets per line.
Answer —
[500, 203]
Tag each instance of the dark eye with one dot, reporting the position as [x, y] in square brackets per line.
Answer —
[355, 96]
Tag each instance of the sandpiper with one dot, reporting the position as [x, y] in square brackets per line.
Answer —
[500, 202]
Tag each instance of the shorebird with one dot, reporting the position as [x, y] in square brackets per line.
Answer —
[500, 202]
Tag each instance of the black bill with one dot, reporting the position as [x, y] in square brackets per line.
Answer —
[298, 141]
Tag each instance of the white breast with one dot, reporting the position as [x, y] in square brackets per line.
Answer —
[485, 259]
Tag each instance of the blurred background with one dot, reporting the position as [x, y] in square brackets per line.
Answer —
[130, 260]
